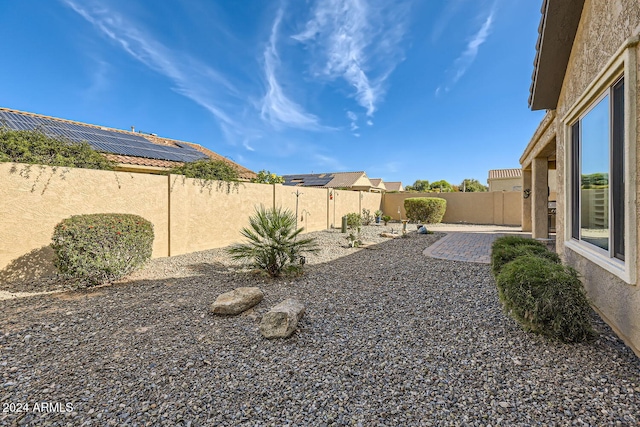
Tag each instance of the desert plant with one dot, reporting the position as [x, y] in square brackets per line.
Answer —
[354, 224]
[366, 217]
[35, 147]
[386, 219]
[273, 244]
[426, 210]
[378, 213]
[508, 248]
[545, 298]
[98, 248]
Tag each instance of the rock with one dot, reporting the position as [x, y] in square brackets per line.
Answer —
[281, 321]
[237, 300]
[390, 235]
[422, 230]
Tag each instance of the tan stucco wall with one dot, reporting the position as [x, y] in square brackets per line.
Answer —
[505, 184]
[36, 198]
[206, 215]
[343, 202]
[603, 29]
[312, 205]
[371, 201]
[188, 214]
[499, 208]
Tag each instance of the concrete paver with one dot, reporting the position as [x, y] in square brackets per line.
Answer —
[468, 243]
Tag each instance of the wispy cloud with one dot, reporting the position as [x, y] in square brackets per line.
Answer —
[331, 163]
[276, 106]
[468, 56]
[357, 41]
[191, 78]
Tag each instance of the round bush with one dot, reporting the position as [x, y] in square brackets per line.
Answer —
[502, 254]
[546, 298]
[99, 248]
[426, 210]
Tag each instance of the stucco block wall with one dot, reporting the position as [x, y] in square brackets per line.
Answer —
[343, 202]
[371, 201]
[206, 215]
[603, 28]
[33, 199]
[188, 214]
[499, 208]
[312, 205]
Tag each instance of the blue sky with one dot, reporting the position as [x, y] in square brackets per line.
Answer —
[404, 90]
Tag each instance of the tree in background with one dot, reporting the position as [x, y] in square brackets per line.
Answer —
[441, 186]
[266, 177]
[420, 186]
[471, 185]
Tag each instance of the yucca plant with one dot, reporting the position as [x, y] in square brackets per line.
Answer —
[273, 244]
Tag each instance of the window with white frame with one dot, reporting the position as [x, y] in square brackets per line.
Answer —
[597, 178]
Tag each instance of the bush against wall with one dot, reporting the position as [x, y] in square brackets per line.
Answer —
[35, 147]
[546, 298]
[426, 210]
[98, 248]
[266, 177]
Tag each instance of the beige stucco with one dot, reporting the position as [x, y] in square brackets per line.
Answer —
[207, 215]
[603, 48]
[36, 198]
[188, 214]
[505, 184]
[499, 208]
[312, 205]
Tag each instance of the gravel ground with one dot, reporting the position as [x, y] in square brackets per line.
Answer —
[390, 337]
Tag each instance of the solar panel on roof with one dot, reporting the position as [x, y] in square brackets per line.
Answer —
[104, 140]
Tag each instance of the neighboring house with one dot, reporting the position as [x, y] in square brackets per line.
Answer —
[505, 180]
[394, 186]
[133, 151]
[356, 181]
[586, 77]
[377, 185]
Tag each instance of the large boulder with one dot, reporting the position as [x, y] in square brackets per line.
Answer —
[281, 321]
[237, 300]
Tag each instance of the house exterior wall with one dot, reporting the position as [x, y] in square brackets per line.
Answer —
[498, 208]
[505, 184]
[604, 27]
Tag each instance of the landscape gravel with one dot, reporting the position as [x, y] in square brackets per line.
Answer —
[389, 338]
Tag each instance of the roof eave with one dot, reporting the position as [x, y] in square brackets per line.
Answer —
[557, 31]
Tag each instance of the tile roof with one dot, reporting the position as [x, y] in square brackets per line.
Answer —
[394, 186]
[377, 183]
[346, 179]
[505, 173]
[122, 159]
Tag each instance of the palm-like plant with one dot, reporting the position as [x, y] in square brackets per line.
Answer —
[273, 243]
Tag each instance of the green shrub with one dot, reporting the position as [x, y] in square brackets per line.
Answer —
[545, 298]
[426, 210]
[34, 147]
[506, 249]
[354, 221]
[207, 169]
[273, 244]
[99, 248]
